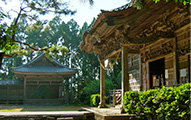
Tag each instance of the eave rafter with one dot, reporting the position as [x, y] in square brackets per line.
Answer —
[136, 28]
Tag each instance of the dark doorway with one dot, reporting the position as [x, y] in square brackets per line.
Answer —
[157, 73]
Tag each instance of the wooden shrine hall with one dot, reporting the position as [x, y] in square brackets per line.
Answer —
[152, 43]
[41, 80]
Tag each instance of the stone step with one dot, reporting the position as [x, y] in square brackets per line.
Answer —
[85, 115]
[66, 118]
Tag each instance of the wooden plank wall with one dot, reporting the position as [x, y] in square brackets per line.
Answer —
[183, 48]
[134, 72]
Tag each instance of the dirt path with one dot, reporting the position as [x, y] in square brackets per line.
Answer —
[35, 108]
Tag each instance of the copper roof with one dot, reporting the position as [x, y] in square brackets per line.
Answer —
[43, 64]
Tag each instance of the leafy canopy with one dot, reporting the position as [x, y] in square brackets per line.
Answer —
[29, 10]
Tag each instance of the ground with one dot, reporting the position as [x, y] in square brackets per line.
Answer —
[40, 112]
[36, 108]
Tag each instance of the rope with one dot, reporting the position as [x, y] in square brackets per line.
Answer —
[116, 59]
[109, 63]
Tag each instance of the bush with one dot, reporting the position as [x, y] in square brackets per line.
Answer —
[94, 88]
[164, 104]
[94, 100]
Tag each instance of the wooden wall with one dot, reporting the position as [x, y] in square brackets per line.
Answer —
[42, 92]
[166, 48]
[183, 51]
[134, 72]
[169, 70]
[11, 94]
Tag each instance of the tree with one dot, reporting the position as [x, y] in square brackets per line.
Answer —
[94, 88]
[29, 9]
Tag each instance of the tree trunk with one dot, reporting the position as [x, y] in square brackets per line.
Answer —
[1, 58]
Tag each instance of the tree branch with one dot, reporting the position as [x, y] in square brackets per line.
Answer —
[9, 56]
[16, 21]
[35, 49]
[1, 57]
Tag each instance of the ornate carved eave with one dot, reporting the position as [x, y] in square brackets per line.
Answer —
[163, 46]
[135, 28]
[171, 14]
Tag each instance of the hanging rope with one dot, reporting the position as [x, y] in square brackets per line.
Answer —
[109, 62]
[145, 67]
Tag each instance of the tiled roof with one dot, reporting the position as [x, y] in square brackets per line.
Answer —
[43, 64]
[118, 9]
[44, 69]
[124, 7]
[11, 82]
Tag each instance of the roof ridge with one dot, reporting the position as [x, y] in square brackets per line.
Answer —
[34, 59]
[40, 56]
[123, 7]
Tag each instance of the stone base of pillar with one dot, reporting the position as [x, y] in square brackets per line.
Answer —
[102, 105]
[122, 109]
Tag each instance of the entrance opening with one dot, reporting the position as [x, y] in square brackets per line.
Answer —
[157, 72]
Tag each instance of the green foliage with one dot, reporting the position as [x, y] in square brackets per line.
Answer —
[183, 1]
[29, 10]
[94, 100]
[53, 35]
[6, 43]
[164, 104]
[118, 79]
[94, 88]
[139, 3]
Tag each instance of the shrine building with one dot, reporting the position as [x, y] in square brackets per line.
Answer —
[153, 44]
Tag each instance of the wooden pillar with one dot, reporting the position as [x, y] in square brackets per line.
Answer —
[67, 90]
[125, 73]
[141, 73]
[24, 94]
[114, 98]
[175, 62]
[102, 86]
[7, 91]
[188, 57]
[71, 89]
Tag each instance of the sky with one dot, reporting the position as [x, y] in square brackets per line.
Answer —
[85, 12]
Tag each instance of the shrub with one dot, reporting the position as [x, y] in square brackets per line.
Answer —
[131, 99]
[94, 88]
[94, 100]
[164, 104]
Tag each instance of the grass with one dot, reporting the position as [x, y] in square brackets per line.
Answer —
[36, 108]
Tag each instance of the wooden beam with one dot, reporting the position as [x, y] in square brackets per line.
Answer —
[102, 86]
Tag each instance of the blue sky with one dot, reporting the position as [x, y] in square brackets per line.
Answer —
[85, 12]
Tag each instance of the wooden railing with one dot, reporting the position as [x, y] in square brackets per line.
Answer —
[115, 97]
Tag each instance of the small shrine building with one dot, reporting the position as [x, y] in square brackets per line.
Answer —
[42, 80]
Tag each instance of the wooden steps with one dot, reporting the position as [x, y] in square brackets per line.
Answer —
[109, 114]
